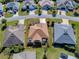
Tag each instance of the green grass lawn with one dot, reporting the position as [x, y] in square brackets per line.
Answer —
[76, 30]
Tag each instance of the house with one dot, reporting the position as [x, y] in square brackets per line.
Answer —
[46, 4]
[12, 7]
[64, 56]
[64, 34]
[38, 34]
[25, 55]
[1, 10]
[14, 35]
[66, 4]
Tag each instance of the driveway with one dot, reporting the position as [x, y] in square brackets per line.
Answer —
[64, 21]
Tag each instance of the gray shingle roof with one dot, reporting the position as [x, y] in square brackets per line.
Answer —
[65, 3]
[25, 55]
[1, 7]
[64, 34]
[15, 36]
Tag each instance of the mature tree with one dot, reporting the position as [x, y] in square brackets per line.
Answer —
[54, 13]
[7, 51]
[13, 49]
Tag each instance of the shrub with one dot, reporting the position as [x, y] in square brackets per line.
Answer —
[77, 52]
[44, 57]
[4, 27]
[4, 21]
[1, 49]
[69, 48]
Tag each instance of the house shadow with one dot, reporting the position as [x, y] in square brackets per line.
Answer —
[58, 45]
[69, 48]
[35, 44]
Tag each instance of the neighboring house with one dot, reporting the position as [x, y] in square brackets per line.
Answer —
[12, 7]
[66, 4]
[25, 55]
[38, 34]
[64, 34]
[46, 4]
[14, 35]
[1, 10]
[64, 56]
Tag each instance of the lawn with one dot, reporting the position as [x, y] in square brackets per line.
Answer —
[76, 30]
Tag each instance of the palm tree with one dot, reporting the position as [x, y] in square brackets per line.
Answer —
[4, 22]
[36, 1]
[27, 10]
[54, 13]
[39, 10]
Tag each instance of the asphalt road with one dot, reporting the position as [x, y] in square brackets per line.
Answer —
[42, 16]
